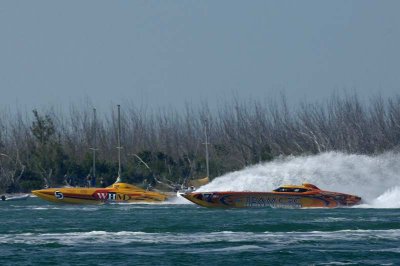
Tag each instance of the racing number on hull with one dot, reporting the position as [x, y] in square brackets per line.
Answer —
[58, 195]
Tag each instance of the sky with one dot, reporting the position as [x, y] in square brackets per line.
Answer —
[173, 53]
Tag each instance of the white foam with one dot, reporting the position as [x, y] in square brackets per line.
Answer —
[332, 219]
[234, 249]
[127, 237]
[172, 200]
[374, 178]
[393, 250]
[61, 207]
[178, 199]
[389, 199]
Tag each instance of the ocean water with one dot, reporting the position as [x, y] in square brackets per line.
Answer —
[34, 232]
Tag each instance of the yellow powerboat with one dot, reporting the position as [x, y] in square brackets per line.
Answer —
[118, 192]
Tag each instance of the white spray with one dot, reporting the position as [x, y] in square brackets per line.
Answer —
[375, 178]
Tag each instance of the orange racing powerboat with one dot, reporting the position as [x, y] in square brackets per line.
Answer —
[290, 196]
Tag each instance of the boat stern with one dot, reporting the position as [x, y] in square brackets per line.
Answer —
[351, 200]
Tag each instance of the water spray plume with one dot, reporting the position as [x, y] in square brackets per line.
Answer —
[374, 178]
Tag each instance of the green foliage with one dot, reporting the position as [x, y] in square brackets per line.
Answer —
[27, 186]
[48, 158]
[106, 171]
[266, 154]
[42, 128]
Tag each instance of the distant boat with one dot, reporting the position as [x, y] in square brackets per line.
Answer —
[199, 182]
[14, 197]
[291, 196]
[118, 192]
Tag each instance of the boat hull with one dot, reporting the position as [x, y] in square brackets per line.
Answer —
[323, 199]
[116, 193]
[14, 197]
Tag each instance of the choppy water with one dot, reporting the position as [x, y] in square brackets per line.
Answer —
[38, 233]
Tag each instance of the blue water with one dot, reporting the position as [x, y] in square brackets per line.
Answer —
[34, 232]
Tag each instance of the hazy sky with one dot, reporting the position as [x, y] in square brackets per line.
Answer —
[165, 53]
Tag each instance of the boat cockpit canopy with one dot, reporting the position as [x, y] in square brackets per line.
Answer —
[289, 189]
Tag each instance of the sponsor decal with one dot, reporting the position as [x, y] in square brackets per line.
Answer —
[58, 195]
[226, 200]
[207, 197]
[101, 195]
[291, 202]
[110, 196]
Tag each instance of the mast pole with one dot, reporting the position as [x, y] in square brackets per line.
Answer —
[94, 146]
[119, 143]
[205, 133]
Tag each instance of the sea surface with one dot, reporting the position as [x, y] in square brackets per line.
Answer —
[34, 232]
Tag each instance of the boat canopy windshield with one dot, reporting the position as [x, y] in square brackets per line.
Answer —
[286, 189]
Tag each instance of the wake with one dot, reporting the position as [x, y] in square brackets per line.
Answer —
[374, 178]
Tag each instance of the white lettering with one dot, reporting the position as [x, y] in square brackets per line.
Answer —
[102, 195]
[112, 196]
[58, 195]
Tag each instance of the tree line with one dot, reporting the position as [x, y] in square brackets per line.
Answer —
[166, 146]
